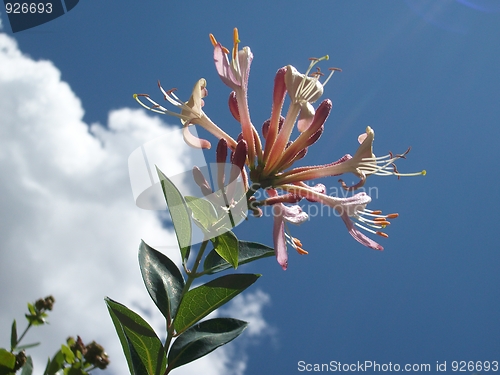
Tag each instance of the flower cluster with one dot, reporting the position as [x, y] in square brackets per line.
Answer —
[270, 163]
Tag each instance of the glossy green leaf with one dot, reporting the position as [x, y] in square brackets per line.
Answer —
[163, 280]
[124, 342]
[7, 359]
[247, 252]
[179, 214]
[201, 301]
[203, 338]
[226, 245]
[13, 335]
[27, 369]
[203, 212]
[141, 338]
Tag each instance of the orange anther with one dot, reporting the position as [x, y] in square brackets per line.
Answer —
[392, 216]
[212, 39]
[382, 234]
[376, 212]
[296, 241]
[301, 251]
[383, 223]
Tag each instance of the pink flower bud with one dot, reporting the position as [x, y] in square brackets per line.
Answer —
[233, 106]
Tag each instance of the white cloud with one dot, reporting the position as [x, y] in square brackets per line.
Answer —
[68, 223]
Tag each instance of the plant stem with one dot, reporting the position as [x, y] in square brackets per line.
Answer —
[192, 275]
[21, 337]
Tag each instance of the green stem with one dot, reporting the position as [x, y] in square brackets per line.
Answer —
[192, 275]
[21, 337]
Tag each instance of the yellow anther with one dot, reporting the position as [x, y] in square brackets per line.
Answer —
[236, 40]
[424, 172]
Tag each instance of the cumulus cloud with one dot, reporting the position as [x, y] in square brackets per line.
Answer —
[68, 223]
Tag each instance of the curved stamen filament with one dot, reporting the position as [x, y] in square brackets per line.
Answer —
[384, 165]
[378, 222]
[303, 92]
[294, 242]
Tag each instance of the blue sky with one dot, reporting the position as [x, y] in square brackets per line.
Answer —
[420, 73]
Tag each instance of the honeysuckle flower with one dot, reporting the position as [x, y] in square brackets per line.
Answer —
[362, 164]
[282, 214]
[269, 163]
[349, 209]
[303, 91]
[190, 113]
[235, 74]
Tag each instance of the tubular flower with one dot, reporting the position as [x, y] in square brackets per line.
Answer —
[362, 164]
[282, 214]
[303, 91]
[235, 74]
[191, 113]
[270, 164]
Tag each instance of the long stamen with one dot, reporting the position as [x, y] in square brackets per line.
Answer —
[384, 165]
[294, 242]
[214, 43]
[302, 92]
[378, 222]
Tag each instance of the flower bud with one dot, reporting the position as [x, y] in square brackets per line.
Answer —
[201, 182]
[240, 154]
[233, 106]
[221, 152]
[20, 360]
[96, 355]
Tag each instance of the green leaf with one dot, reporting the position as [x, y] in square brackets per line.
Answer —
[27, 346]
[27, 369]
[55, 364]
[226, 245]
[7, 359]
[202, 339]
[179, 214]
[13, 335]
[32, 309]
[141, 338]
[247, 252]
[123, 341]
[163, 280]
[201, 301]
[69, 356]
[203, 212]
